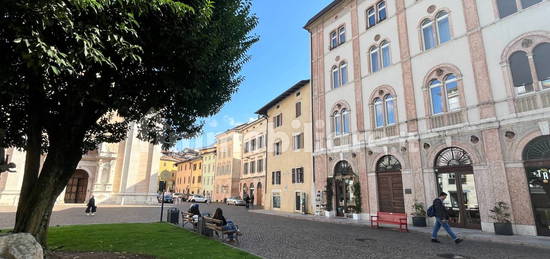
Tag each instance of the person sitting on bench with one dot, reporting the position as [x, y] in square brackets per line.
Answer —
[226, 225]
[195, 212]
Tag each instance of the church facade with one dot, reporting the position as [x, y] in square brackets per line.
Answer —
[118, 173]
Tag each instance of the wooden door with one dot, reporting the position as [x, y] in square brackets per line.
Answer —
[259, 196]
[76, 188]
[390, 192]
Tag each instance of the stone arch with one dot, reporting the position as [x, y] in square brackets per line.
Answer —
[397, 156]
[444, 69]
[434, 152]
[339, 105]
[520, 145]
[518, 44]
[387, 89]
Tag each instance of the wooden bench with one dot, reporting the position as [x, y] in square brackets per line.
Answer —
[187, 218]
[390, 218]
[216, 226]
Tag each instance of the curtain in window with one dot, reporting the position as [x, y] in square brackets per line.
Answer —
[443, 27]
[428, 34]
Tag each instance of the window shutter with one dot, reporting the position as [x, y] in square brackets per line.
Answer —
[272, 177]
[302, 175]
[278, 177]
[293, 175]
[298, 109]
[302, 140]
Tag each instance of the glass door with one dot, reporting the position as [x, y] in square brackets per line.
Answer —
[539, 188]
[461, 204]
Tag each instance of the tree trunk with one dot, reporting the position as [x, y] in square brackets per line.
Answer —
[34, 212]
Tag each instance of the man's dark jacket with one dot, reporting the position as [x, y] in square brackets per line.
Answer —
[440, 210]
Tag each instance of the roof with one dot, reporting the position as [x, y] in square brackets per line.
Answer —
[294, 88]
[322, 12]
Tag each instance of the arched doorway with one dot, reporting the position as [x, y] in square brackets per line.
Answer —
[245, 190]
[259, 194]
[455, 176]
[536, 157]
[390, 185]
[344, 180]
[77, 187]
[251, 193]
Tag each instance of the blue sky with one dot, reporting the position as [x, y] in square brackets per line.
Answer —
[279, 60]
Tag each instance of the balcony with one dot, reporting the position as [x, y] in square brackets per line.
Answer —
[385, 132]
[342, 140]
[446, 119]
[532, 101]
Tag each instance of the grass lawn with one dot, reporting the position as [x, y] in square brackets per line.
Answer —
[158, 239]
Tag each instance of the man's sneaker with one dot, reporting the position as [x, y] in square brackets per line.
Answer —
[93, 214]
[458, 240]
[435, 241]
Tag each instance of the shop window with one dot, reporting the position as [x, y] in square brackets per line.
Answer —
[276, 200]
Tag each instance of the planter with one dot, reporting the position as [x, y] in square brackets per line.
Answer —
[419, 221]
[503, 229]
[330, 214]
[356, 216]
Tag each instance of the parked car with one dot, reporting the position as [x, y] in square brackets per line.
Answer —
[197, 198]
[168, 198]
[184, 197]
[237, 201]
[177, 196]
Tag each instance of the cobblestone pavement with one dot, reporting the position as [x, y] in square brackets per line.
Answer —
[280, 237]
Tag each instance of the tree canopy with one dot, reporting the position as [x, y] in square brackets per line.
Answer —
[76, 73]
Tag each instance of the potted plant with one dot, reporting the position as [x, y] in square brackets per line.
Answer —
[419, 214]
[357, 198]
[503, 225]
[329, 193]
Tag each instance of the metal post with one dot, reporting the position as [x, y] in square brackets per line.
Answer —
[162, 206]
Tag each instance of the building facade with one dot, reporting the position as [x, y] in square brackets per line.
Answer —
[229, 155]
[183, 176]
[168, 171]
[196, 176]
[118, 173]
[208, 170]
[416, 97]
[252, 182]
[290, 178]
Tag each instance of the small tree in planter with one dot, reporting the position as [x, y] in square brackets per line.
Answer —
[503, 225]
[357, 196]
[329, 192]
[419, 214]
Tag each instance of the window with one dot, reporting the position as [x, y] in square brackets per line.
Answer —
[521, 72]
[374, 60]
[278, 148]
[371, 17]
[278, 121]
[443, 32]
[337, 123]
[298, 109]
[260, 142]
[194, 167]
[386, 59]
[339, 75]
[193, 180]
[276, 177]
[260, 165]
[445, 96]
[253, 145]
[338, 37]
[541, 57]
[506, 7]
[379, 113]
[199, 180]
[245, 168]
[428, 34]
[335, 77]
[390, 109]
[276, 200]
[381, 11]
[344, 73]
[253, 167]
[341, 122]
[299, 141]
[298, 175]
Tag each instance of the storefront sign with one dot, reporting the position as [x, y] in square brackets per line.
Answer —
[543, 174]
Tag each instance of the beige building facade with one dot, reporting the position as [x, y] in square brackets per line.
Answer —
[416, 97]
[253, 166]
[208, 170]
[229, 156]
[290, 178]
[120, 173]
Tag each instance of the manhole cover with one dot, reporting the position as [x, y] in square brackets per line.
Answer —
[451, 256]
[363, 239]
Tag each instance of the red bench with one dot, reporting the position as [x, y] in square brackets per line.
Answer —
[390, 218]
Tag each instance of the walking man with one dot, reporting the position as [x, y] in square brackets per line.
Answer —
[442, 219]
[91, 207]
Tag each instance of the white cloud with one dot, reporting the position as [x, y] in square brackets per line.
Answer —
[231, 121]
[213, 123]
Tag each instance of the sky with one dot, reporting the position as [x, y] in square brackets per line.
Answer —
[279, 60]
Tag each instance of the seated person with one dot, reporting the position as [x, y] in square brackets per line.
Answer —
[226, 225]
[195, 212]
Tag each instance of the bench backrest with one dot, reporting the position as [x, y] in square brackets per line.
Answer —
[212, 220]
[390, 216]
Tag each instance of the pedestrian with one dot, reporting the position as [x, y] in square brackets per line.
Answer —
[247, 200]
[91, 208]
[442, 219]
[226, 225]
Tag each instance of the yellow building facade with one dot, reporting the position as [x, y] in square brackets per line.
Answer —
[289, 181]
[168, 171]
[196, 176]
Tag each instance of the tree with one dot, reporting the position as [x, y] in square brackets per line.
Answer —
[76, 73]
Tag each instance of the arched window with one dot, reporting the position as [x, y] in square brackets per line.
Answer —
[341, 121]
[379, 113]
[337, 123]
[386, 58]
[388, 164]
[443, 32]
[428, 34]
[390, 109]
[344, 73]
[521, 72]
[451, 87]
[436, 97]
[541, 57]
[335, 77]
[374, 59]
[346, 121]
[445, 96]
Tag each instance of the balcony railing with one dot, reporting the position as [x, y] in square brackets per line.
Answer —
[389, 131]
[532, 101]
[447, 119]
[342, 140]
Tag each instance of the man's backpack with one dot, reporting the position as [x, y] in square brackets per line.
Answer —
[431, 211]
